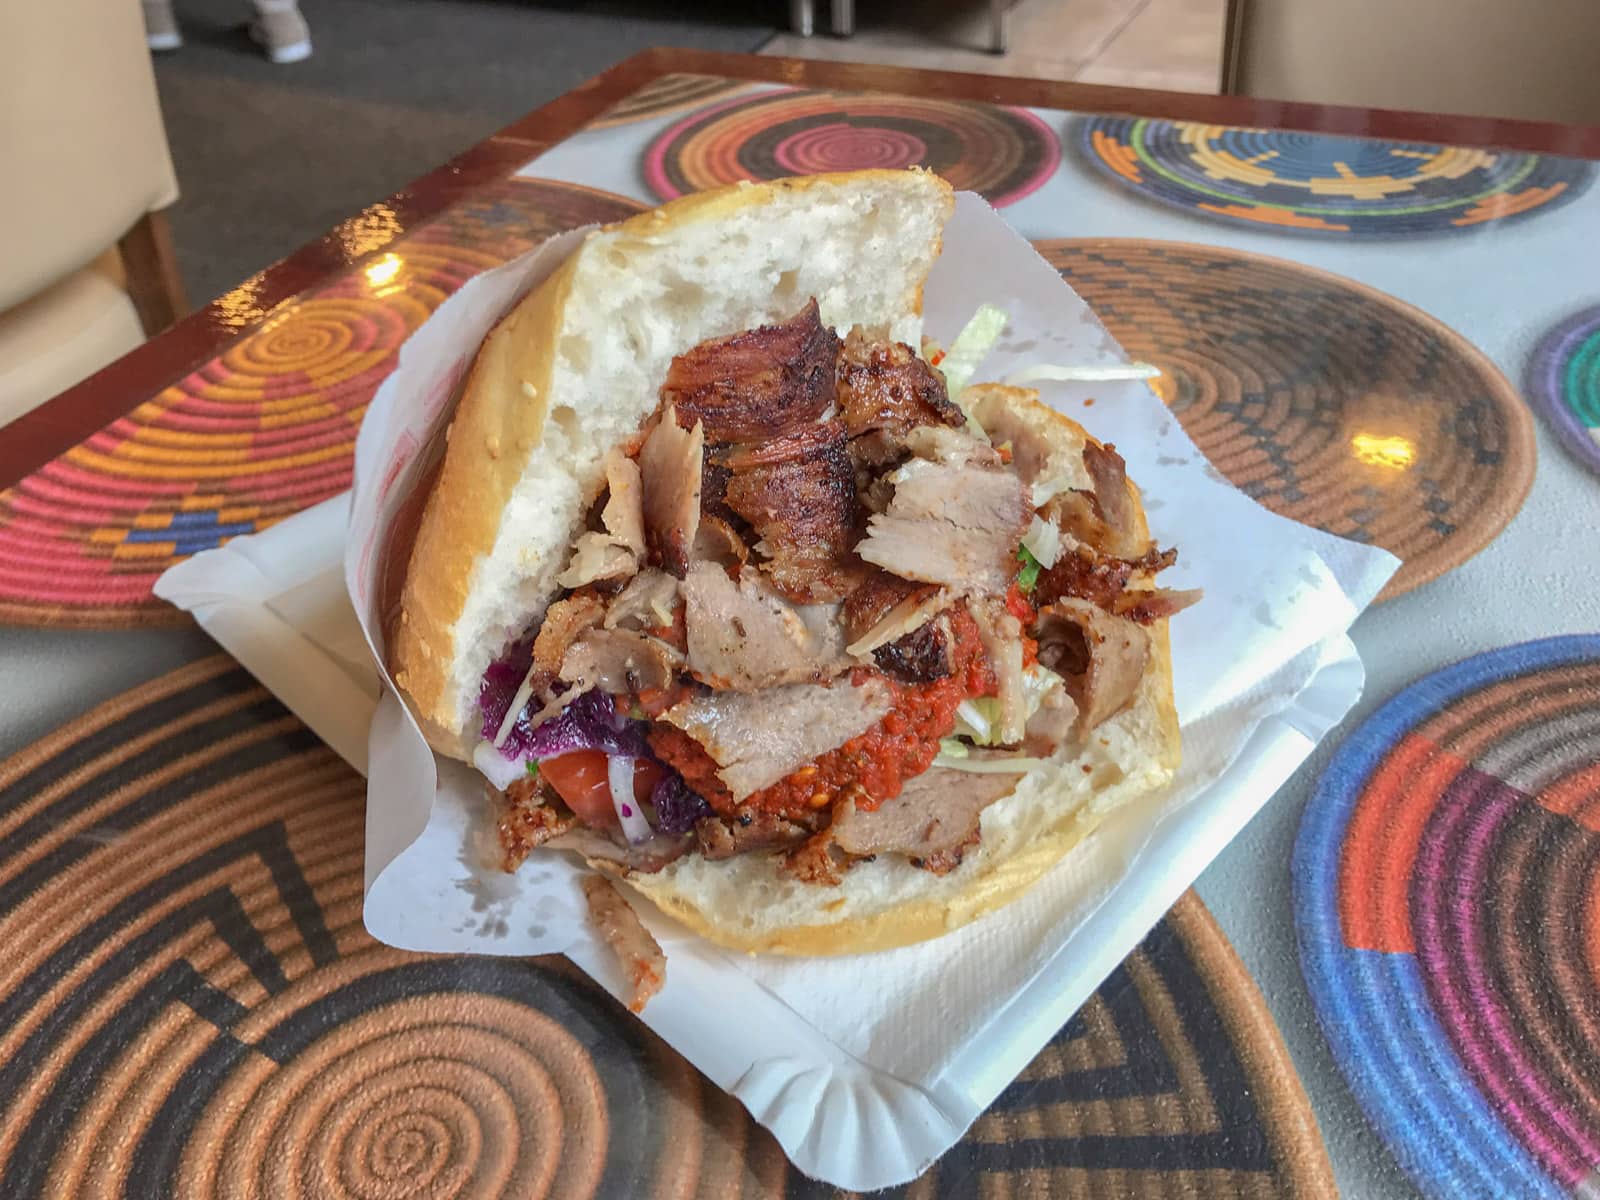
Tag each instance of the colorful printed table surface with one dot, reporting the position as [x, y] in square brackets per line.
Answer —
[1390, 338]
[194, 1009]
[1446, 901]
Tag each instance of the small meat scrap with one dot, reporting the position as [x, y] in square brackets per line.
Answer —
[885, 391]
[798, 492]
[650, 601]
[921, 656]
[1042, 447]
[759, 384]
[527, 821]
[612, 555]
[1100, 579]
[565, 622]
[669, 469]
[747, 829]
[1114, 499]
[639, 954]
[1101, 657]
[956, 525]
[619, 662]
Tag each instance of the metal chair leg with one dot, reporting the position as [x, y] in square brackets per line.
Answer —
[998, 11]
[843, 17]
[802, 16]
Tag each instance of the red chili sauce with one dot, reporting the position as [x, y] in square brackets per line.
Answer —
[899, 747]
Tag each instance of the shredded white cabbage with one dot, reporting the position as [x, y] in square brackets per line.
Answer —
[957, 757]
[1043, 541]
[1041, 372]
[971, 347]
[978, 718]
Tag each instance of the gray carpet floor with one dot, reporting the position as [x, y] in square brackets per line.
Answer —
[270, 157]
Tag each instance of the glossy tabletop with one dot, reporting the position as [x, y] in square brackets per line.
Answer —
[1382, 323]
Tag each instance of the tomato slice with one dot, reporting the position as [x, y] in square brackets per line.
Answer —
[579, 778]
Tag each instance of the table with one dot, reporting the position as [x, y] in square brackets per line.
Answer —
[1512, 276]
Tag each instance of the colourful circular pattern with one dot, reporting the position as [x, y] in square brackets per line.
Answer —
[259, 432]
[1564, 382]
[667, 94]
[1447, 895]
[1004, 153]
[193, 1008]
[1327, 401]
[1326, 186]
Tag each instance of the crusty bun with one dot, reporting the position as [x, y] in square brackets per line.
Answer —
[575, 368]
[745, 903]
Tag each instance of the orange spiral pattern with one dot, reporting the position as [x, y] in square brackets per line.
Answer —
[261, 431]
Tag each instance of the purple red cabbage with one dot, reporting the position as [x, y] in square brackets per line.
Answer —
[591, 722]
[499, 686]
[677, 808]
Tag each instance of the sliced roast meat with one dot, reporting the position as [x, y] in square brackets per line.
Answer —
[564, 622]
[758, 384]
[956, 525]
[757, 738]
[921, 656]
[1115, 501]
[650, 601]
[798, 492]
[885, 391]
[903, 620]
[1102, 579]
[747, 829]
[623, 515]
[743, 636]
[638, 953]
[597, 558]
[1101, 657]
[1155, 604]
[619, 662]
[1044, 448]
[669, 469]
[935, 811]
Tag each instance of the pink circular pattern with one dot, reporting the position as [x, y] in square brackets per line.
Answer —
[844, 147]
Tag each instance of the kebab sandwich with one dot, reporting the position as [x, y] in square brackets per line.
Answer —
[733, 584]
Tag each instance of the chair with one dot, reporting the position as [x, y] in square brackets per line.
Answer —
[1491, 58]
[86, 263]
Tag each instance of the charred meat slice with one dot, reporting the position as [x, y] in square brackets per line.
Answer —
[638, 953]
[619, 662]
[747, 829]
[1080, 574]
[758, 384]
[758, 738]
[952, 525]
[798, 492]
[669, 468]
[874, 598]
[921, 656]
[885, 391]
[744, 637]
[1101, 657]
[527, 821]
[718, 542]
[1115, 500]
[1156, 604]
[565, 622]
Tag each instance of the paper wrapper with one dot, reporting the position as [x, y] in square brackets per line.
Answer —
[867, 1068]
